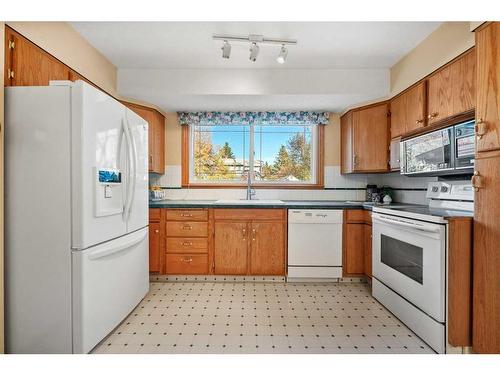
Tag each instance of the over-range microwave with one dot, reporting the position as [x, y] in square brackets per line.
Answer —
[447, 151]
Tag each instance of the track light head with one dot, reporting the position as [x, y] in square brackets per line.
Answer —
[254, 52]
[226, 50]
[282, 55]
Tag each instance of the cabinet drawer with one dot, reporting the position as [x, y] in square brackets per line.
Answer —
[187, 215]
[249, 214]
[187, 245]
[154, 214]
[186, 264]
[355, 216]
[187, 229]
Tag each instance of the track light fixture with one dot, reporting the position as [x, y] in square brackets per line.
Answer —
[254, 52]
[282, 56]
[255, 41]
[226, 50]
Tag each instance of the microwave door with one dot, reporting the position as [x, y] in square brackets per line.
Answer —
[429, 153]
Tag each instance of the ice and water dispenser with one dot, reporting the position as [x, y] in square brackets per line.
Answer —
[109, 192]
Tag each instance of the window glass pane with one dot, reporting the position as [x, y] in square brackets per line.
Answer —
[283, 153]
[220, 153]
[403, 257]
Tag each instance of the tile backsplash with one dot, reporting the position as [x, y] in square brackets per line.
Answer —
[337, 187]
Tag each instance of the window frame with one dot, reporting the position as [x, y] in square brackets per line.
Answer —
[317, 165]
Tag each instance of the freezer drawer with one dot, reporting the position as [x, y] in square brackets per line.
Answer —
[109, 280]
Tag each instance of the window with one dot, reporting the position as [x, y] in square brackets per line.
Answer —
[274, 154]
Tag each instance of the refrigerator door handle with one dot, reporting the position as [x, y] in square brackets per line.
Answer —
[116, 249]
[128, 200]
[133, 150]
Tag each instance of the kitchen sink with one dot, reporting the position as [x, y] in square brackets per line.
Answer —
[248, 201]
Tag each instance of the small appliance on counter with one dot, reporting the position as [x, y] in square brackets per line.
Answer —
[156, 193]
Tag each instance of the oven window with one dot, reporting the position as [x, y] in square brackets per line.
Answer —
[403, 257]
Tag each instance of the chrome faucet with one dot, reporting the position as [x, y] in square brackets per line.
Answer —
[250, 190]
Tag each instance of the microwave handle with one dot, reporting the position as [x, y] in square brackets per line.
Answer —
[423, 227]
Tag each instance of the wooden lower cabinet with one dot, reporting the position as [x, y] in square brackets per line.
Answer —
[267, 255]
[156, 240]
[354, 253]
[154, 247]
[230, 248]
[368, 250]
[357, 244]
[250, 242]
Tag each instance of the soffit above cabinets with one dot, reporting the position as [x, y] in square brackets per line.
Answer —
[189, 45]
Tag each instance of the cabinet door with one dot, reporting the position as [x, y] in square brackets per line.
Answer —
[368, 250]
[486, 261]
[346, 143]
[158, 152]
[440, 99]
[154, 247]
[31, 65]
[415, 107]
[147, 115]
[398, 115]
[354, 255]
[464, 83]
[488, 87]
[395, 152]
[370, 139]
[267, 248]
[230, 248]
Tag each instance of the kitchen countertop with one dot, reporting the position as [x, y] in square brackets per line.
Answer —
[288, 204]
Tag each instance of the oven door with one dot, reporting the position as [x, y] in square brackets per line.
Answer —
[409, 257]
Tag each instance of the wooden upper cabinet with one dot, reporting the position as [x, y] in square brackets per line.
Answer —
[416, 107]
[267, 251]
[488, 87]
[346, 143]
[464, 83]
[398, 115]
[440, 100]
[29, 65]
[156, 136]
[370, 139]
[451, 90]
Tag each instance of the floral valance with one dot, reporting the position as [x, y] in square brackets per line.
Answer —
[253, 118]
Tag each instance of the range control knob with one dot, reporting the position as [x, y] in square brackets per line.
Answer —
[444, 189]
[435, 189]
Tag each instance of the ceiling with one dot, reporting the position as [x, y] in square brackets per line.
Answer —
[164, 47]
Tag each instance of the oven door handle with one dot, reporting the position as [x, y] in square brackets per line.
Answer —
[421, 227]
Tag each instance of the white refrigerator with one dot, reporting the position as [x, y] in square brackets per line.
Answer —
[76, 214]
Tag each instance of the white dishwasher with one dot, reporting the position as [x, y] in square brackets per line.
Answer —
[314, 244]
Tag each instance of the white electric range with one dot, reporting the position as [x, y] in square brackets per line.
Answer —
[410, 256]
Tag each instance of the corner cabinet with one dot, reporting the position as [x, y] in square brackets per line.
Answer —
[365, 139]
[156, 136]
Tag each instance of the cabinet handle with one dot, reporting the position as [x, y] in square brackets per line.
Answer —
[419, 122]
[254, 233]
[157, 231]
[432, 115]
[244, 233]
[150, 158]
[355, 159]
[186, 215]
[480, 128]
[187, 260]
[187, 244]
[188, 227]
[476, 181]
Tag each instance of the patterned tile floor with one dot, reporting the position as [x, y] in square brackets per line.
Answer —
[215, 317]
